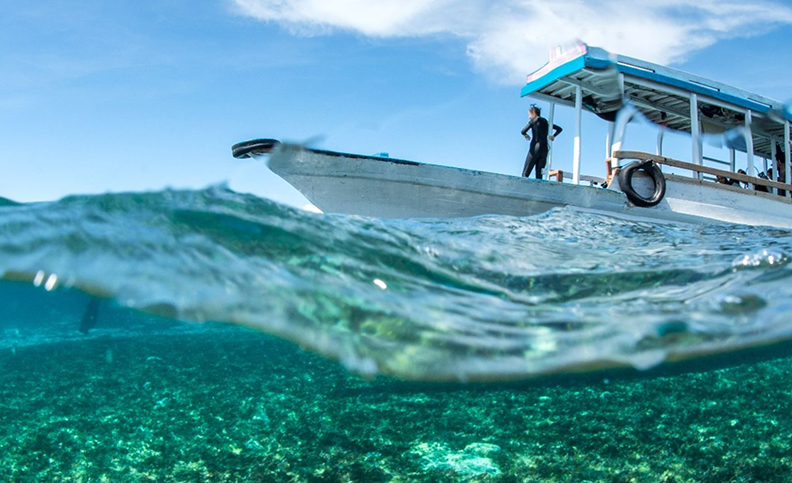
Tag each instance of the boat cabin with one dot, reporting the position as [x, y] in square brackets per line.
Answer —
[618, 89]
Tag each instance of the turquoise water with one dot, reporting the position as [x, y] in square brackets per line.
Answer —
[149, 337]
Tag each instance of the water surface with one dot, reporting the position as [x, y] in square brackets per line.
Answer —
[486, 298]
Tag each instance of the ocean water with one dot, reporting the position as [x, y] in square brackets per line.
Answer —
[215, 336]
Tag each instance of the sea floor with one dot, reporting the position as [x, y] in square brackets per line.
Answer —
[236, 405]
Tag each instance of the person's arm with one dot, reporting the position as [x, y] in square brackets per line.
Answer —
[556, 131]
[527, 127]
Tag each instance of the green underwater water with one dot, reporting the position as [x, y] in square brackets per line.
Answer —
[227, 404]
[214, 336]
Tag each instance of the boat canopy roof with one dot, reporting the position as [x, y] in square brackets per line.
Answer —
[662, 94]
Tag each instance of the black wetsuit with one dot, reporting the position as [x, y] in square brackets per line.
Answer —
[537, 154]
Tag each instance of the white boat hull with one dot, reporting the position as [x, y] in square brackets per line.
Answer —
[390, 188]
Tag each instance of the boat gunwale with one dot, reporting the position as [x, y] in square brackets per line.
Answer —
[464, 171]
[617, 155]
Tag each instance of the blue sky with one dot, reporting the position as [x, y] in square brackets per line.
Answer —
[102, 96]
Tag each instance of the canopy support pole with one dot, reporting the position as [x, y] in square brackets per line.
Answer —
[609, 140]
[787, 155]
[749, 144]
[774, 161]
[578, 116]
[766, 166]
[660, 135]
[695, 131]
[732, 161]
[549, 167]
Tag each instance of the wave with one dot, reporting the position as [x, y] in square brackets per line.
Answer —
[491, 297]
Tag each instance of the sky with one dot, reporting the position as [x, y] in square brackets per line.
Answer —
[100, 96]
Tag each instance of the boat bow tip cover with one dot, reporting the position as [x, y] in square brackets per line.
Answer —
[255, 147]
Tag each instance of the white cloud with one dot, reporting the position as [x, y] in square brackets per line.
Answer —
[510, 38]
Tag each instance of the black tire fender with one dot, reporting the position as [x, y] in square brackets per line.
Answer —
[653, 170]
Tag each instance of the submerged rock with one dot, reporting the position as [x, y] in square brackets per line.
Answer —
[474, 460]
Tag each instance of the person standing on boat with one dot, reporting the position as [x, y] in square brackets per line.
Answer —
[537, 154]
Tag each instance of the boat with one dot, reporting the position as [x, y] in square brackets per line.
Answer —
[639, 185]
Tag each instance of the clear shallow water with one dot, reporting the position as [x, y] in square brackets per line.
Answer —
[225, 404]
[455, 299]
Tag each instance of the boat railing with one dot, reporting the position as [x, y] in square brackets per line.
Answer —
[560, 176]
[700, 169]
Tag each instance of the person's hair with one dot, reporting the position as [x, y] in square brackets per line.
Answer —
[536, 109]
